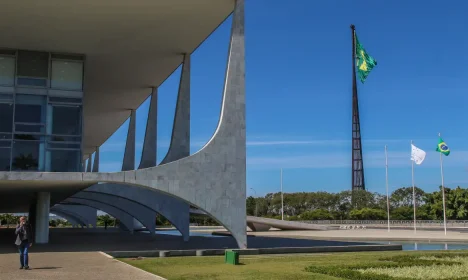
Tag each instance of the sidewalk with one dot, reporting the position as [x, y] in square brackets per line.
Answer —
[70, 266]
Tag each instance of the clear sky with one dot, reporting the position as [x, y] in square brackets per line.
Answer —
[298, 82]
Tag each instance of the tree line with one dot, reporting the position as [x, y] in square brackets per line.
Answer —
[362, 205]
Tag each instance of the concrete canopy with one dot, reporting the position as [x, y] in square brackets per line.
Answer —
[129, 46]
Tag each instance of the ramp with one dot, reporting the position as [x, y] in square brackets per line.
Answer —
[264, 224]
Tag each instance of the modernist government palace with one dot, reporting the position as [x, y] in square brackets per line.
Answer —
[71, 73]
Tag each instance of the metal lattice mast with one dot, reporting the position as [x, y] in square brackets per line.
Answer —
[357, 161]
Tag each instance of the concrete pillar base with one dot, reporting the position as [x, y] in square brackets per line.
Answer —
[42, 218]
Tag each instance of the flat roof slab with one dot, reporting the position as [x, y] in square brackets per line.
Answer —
[130, 46]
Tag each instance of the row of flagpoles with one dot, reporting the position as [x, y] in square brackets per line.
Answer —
[417, 157]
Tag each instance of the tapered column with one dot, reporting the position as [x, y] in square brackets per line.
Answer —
[96, 160]
[180, 140]
[148, 154]
[129, 156]
[88, 166]
[42, 217]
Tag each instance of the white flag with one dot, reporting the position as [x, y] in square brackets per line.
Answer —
[417, 155]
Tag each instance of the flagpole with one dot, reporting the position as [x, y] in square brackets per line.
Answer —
[282, 205]
[386, 185]
[443, 191]
[414, 195]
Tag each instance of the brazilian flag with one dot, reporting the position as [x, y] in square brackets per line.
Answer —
[364, 62]
[442, 147]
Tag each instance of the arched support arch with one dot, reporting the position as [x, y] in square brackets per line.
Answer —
[173, 209]
[87, 213]
[74, 220]
[125, 219]
[143, 214]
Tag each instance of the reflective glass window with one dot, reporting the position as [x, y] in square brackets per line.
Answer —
[65, 161]
[5, 143]
[66, 120]
[64, 145]
[33, 64]
[26, 155]
[4, 157]
[67, 75]
[30, 109]
[7, 70]
[6, 117]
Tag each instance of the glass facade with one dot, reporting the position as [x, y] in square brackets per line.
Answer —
[40, 111]
[7, 70]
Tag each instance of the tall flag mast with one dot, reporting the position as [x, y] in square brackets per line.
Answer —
[364, 64]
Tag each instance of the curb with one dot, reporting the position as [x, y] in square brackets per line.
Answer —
[256, 251]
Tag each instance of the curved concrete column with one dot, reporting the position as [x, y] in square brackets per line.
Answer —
[88, 213]
[148, 153]
[75, 221]
[79, 219]
[129, 155]
[180, 139]
[141, 213]
[125, 219]
[214, 178]
[173, 209]
[88, 166]
[96, 161]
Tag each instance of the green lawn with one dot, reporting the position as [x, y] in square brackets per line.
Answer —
[269, 267]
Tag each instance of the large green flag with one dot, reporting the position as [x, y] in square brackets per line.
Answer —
[442, 147]
[364, 62]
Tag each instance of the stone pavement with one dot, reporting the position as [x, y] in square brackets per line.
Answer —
[69, 266]
[74, 253]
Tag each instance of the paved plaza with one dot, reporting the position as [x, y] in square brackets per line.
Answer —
[75, 253]
[70, 266]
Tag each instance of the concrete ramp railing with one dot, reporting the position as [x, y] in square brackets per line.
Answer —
[264, 224]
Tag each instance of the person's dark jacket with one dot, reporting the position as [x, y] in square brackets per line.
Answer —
[23, 232]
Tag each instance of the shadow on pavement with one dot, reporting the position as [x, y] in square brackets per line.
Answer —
[45, 268]
[89, 240]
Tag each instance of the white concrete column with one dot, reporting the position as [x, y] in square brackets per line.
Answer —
[129, 155]
[42, 217]
[96, 160]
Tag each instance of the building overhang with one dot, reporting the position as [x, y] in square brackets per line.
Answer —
[130, 46]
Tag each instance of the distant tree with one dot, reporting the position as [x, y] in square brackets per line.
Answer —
[103, 219]
[317, 214]
[367, 214]
[250, 205]
[10, 219]
[402, 213]
[53, 223]
[162, 221]
[404, 197]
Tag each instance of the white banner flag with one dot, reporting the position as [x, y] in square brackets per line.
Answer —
[417, 155]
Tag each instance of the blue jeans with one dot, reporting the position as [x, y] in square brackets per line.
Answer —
[23, 250]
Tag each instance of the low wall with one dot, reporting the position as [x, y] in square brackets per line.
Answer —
[259, 251]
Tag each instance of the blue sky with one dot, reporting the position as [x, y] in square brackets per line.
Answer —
[298, 82]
